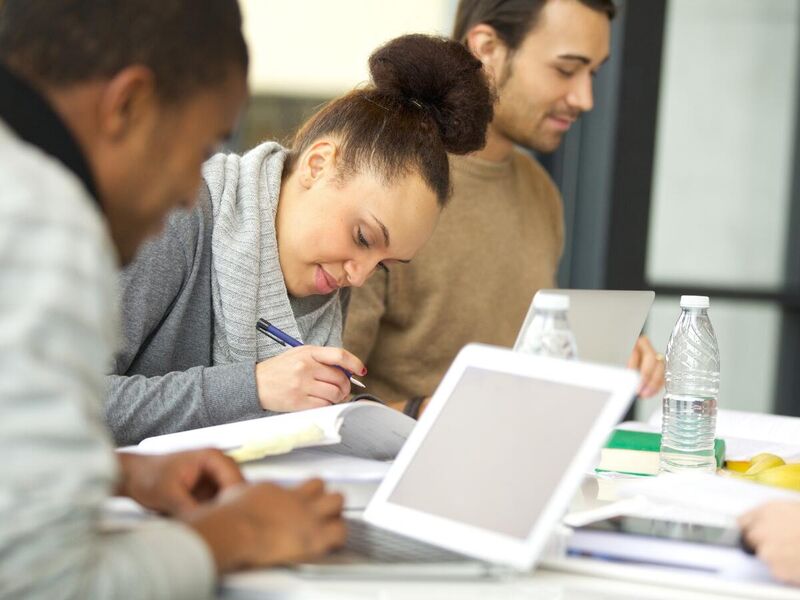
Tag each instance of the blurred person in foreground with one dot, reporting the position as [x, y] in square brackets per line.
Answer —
[107, 110]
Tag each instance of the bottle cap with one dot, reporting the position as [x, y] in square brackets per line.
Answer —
[550, 301]
[694, 302]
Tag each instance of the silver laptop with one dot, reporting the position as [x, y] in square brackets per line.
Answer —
[489, 469]
[606, 323]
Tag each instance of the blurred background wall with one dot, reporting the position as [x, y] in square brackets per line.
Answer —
[308, 51]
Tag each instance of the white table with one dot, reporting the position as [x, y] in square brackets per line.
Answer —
[544, 584]
[575, 579]
[570, 579]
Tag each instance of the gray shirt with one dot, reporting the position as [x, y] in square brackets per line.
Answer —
[58, 327]
[165, 378]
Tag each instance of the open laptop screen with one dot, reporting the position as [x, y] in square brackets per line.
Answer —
[606, 323]
[498, 432]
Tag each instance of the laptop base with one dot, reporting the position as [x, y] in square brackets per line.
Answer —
[372, 552]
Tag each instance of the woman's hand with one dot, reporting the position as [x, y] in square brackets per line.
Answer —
[305, 377]
[773, 530]
[176, 483]
[651, 366]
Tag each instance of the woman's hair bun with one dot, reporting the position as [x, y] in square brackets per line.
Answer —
[442, 77]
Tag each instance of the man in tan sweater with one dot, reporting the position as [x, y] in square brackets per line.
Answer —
[501, 236]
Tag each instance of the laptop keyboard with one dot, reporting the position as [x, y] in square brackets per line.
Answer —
[381, 545]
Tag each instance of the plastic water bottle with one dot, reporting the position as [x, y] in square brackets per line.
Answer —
[692, 387]
[549, 333]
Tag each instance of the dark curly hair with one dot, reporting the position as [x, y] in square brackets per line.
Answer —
[188, 45]
[428, 96]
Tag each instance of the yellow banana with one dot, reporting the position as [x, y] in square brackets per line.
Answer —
[785, 476]
[765, 456]
[738, 466]
[763, 462]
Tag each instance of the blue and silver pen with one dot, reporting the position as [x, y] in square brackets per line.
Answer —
[285, 339]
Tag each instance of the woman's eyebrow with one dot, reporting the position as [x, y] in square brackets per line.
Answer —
[383, 229]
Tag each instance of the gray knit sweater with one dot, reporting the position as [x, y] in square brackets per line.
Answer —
[192, 297]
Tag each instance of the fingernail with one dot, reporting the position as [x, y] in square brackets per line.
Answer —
[364, 371]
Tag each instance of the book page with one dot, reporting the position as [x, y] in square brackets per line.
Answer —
[234, 435]
[371, 430]
[363, 428]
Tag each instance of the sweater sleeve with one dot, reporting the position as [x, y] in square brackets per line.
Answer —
[141, 407]
[149, 286]
[56, 332]
[138, 406]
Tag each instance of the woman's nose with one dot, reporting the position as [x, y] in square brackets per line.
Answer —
[357, 273]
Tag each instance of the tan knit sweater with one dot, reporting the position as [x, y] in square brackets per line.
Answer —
[498, 241]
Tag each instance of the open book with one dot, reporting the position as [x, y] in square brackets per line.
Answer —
[363, 428]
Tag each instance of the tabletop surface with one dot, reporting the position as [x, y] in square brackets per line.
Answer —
[543, 584]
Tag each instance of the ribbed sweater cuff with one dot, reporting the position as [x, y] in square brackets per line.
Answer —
[229, 393]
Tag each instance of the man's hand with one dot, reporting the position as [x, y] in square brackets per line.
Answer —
[651, 366]
[264, 525]
[176, 483]
[773, 530]
[305, 377]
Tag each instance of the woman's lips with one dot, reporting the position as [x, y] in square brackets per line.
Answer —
[324, 282]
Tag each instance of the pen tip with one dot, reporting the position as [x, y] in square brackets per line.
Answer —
[357, 382]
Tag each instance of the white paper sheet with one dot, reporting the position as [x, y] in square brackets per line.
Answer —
[747, 434]
[705, 492]
[312, 462]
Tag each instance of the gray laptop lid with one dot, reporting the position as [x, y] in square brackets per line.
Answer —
[606, 323]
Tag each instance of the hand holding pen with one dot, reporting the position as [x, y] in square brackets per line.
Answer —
[284, 339]
[305, 376]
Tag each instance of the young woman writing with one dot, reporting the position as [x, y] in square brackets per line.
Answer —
[280, 234]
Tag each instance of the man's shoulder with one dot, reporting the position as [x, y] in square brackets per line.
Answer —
[526, 165]
[50, 225]
[34, 185]
[47, 216]
[533, 176]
